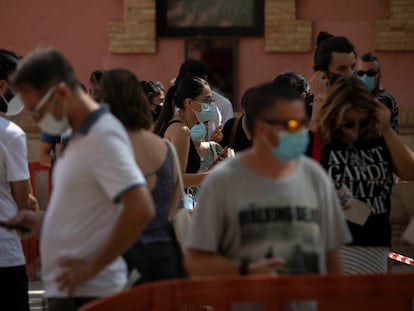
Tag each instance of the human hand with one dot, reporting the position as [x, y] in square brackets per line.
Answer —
[73, 272]
[266, 266]
[220, 157]
[217, 135]
[382, 117]
[32, 220]
[319, 85]
[33, 203]
[345, 196]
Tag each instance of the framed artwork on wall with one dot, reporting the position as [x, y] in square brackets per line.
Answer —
[183, 18]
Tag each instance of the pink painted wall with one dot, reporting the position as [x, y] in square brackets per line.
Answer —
[80, 30]
[353, 19]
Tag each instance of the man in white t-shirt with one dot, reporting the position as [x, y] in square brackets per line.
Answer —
[100, 202]
[270, 209]
[14, 190]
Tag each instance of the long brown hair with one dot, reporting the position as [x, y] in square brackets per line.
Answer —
[123, 92]
[346, 93]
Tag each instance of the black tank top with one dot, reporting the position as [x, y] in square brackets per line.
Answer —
[193, 160]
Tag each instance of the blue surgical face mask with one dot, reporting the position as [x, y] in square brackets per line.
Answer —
[206, 113]
[291, 145]
[198, 132]
[368, 81]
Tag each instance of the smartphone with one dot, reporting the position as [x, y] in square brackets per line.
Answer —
[10, 226]
[223, 153]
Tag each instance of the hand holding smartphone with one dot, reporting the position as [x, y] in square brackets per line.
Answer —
[11, 226]
[223, 154]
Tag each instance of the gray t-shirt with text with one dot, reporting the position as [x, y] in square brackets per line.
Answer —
[243, 215]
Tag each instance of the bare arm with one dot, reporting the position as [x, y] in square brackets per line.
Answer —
[402, 156]
[30, 219]
[59, 148]
[179, 135]
[177, 186]
[192, 180]
[319, 85]
[20, 191]
[334, 262]
[200, 263]
[44, 153]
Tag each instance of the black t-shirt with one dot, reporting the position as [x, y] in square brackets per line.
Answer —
[241, 142]
[365, 168]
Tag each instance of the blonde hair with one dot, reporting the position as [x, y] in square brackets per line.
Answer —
[347, 93]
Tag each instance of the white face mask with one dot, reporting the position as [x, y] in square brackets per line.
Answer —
[14, 105]
[51, 125]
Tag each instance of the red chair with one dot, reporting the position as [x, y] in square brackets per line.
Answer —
[31, 246]
[332, 292]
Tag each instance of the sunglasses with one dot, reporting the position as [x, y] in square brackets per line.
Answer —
[291, 125]
[369, 73]
[350, 124]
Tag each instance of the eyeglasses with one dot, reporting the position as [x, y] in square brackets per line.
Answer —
[291, 125]
[350, 124]
[207, 103]
[43, 100]
[369, 73]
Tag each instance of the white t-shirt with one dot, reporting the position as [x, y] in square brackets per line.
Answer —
[222, 113]
[96, 168]
[13, 162]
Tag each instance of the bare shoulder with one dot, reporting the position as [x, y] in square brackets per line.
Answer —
[143, 141]
[150, 150]
[176, 131]
[155, 141]
[178, 127]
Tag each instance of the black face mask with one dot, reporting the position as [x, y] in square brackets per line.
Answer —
[156, 112]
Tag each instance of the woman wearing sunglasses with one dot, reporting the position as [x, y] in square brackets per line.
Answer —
[361, 153]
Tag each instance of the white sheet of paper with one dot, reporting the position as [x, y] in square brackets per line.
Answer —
[408, 234]
[219, 119]
[358, 212]
[133, 277]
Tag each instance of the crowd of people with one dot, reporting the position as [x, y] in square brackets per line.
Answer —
[128, 156]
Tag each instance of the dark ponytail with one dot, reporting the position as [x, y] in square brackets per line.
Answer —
[326, 44]
[167, 112]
